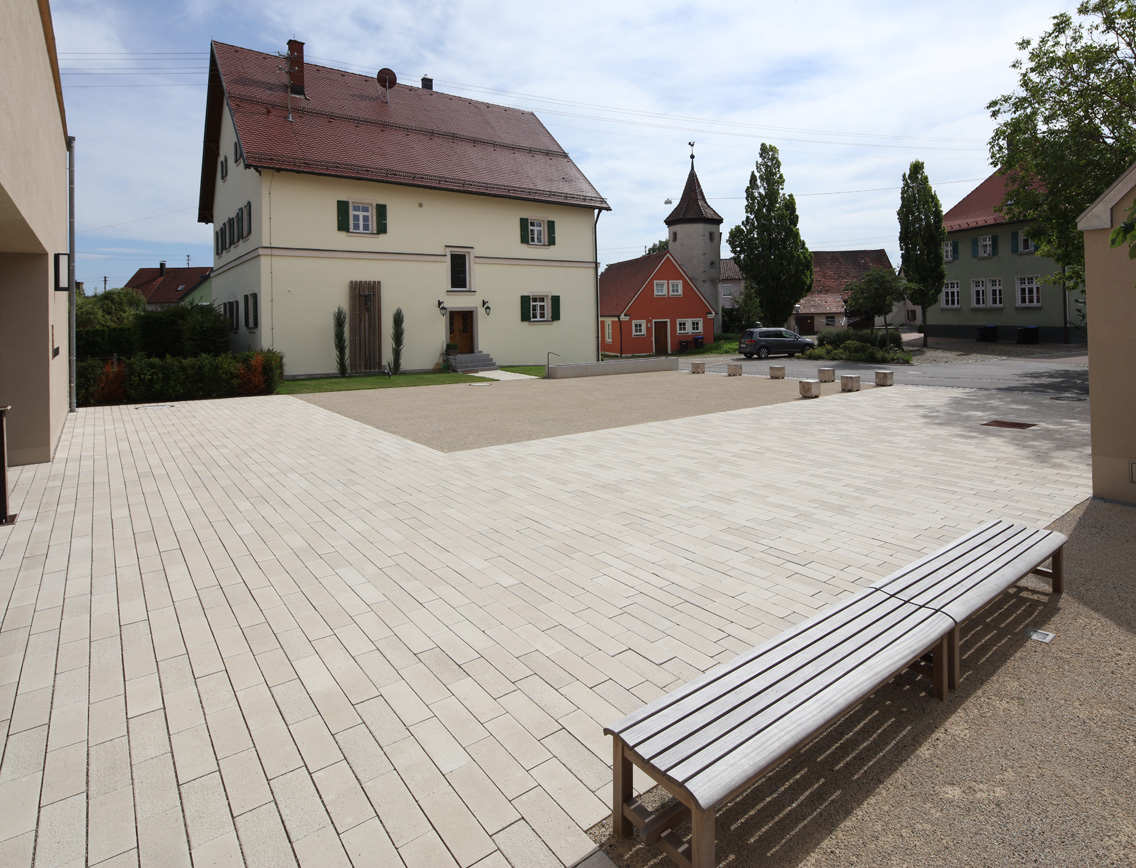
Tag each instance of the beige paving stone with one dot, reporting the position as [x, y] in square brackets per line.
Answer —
[155, 786]
[206, 811]
[64, 774]
[402, 817]
[110, 824]
[558, 830]
[522, 846]
[300, 806]
[245, 783]
[193, 754]
[482, 797]
[61, 837]
[369, 844]
[221, 852]
[427, 851]
[228, 731]
[463, 835]
[109, 767]
[162, 839]
[315, 742]
[17, 851]
[322, 848]
[263, 840]
[19, 802]
[502, 767]
[343, 797]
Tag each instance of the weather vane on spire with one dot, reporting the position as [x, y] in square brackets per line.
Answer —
[691, 151]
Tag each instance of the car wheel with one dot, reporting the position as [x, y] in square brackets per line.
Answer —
[763, 352]
[790, 355]
[748, 355]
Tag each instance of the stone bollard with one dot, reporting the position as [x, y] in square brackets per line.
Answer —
[734, 369]
[826, 375]
[777, 372]
[810, 388]
[885, 378]
[698, 367]
[849, 382]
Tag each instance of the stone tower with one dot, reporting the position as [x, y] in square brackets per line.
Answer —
[694, 233]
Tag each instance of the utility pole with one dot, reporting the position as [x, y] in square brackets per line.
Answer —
[104, 283]
[187, 260]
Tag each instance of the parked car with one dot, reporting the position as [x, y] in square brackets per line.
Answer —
[772, 342]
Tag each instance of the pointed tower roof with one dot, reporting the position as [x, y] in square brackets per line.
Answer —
[693, 207]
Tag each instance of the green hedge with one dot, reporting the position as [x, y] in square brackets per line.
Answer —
[147, 379]
[102, 343]
[183, 331]
[881, 340]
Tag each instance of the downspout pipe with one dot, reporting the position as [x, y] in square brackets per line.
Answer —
[596, 264]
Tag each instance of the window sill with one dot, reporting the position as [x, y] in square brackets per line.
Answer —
[459, 292]
[1027, 307]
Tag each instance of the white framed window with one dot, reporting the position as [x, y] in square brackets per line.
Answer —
[985, 246]
[607, 331]
[995, 291]
[696, 326]
[538, 307]
[978, 292]
[639, 328]
[676, 287]
[683, 327]
[1029, 292]
[948, 251]
[951, 294]
[361, 218]
[1027, 245]
[458, 265]
[536, 232]
[660, 287]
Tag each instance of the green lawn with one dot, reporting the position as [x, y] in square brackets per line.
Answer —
[343, 384]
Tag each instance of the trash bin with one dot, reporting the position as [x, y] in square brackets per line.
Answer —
[987, 333]
[1029, 335]
[698, 343]
[682, 345]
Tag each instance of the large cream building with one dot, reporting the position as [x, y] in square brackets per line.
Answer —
[327, 189]
[34, 347]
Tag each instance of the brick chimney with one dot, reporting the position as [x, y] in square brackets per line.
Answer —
[427, 83]
[162, 269]
[296, 66]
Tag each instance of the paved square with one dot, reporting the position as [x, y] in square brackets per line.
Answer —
[256, 632]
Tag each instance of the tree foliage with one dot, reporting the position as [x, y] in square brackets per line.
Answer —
[921, 239]
[110, 309]
[339, 338]
[659, 246]
[398, 340]
[1068, 130]
[767, 244]
[747, 305]
[876, 293]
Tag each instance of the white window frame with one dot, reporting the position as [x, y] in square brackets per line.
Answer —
[660, 289]
[468, 254]
[536, 232]
[1026, 245]
[985, 246]
[607, 331]
[676, 288]
[948, 251]
[950, 291]
[683, 326]
[540, 308]
[362, 216]
[639, 328]
[995, 284]
[978, 292]
[696, 326]
[1029, 286]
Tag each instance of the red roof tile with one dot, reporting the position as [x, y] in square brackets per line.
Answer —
[693, 207]
[620, 282]
[169, 288]
[728, 270]
[979, 206]
[835, 269]
[343, 127]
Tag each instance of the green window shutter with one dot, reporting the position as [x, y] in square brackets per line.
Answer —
[1013, 242]
[344, 212]
[380, 219]
[217, 242]
[551, 232]
[224, 237]
[555, 308]
[974, 247]
[246, 310]
[993, 245]
[255, 310]
[526, 308]
[248, 218]
[240, 224]
[955, 249]
[524, 230]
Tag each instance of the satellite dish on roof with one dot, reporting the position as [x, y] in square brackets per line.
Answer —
[386, 79]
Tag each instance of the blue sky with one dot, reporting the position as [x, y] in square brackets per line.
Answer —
[849, 92]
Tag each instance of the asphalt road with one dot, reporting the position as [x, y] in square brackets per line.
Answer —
[1059, 377]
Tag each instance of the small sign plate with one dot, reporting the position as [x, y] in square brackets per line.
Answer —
[1041, 636]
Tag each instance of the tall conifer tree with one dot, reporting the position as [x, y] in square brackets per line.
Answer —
[921, 239]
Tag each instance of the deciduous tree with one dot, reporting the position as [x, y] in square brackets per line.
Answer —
[767, 244]
[1068, 130]
[876, 293]
[921, 239]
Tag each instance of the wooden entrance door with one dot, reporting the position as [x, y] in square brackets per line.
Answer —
[365, 348]
[662, 337]
[461, 330]
[805, 325]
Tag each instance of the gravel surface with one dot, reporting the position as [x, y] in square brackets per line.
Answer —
[1031, 762]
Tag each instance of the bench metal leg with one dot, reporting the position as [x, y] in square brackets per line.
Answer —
[1057, 573]
[702, 838]
[954, 662]
[621, 794]
[939, 667]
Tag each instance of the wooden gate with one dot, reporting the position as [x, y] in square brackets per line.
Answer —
[365, 350]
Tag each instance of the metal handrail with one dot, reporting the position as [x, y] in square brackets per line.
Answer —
[5, 518]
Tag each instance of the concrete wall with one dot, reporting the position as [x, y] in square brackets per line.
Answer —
[1111, 293]
[302, 265]
[34, 349]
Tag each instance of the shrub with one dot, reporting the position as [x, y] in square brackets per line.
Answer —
[398, 339]
[858, 351]
[816, 354]
[109, 388]
[87, 374]
[101, 343]
[205, 330]
[339, 339]
[251, 375]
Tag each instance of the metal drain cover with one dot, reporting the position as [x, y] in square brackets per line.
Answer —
[1041, 636]
[1068, 398]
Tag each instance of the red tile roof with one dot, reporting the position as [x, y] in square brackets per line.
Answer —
[343, 127]
[171, 287]
[832, 271]
[620, 282]
[693, 207]
[728, 270]
[979, 206]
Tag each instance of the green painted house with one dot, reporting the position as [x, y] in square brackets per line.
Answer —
[994, 285]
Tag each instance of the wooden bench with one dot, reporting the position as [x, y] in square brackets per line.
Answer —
[709, 741]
